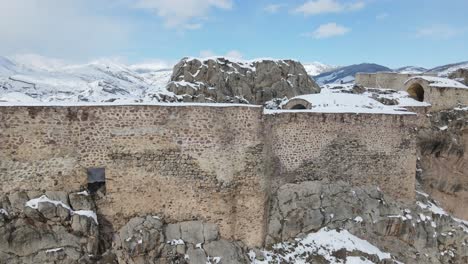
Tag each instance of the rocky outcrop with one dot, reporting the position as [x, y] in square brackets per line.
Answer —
[309, 222]
[56, 227]
[149, 240]
[229, 81]
[420, 232]
[443, 163]
[50, 227]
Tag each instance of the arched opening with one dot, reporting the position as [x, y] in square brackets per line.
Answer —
[298, 106]
[416, 91]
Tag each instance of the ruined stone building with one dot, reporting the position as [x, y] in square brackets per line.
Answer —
[441, 93]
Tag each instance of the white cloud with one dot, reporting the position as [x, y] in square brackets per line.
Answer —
[193, 26]
[316, 7]
[152, 65]
[60, 28]
[355, 6]
[328, 30]
[207, 53]
[439, 32]
[381, 16]
[273, 8]
[183, 13]
[231, 54]
[38, 61]
[234, 54]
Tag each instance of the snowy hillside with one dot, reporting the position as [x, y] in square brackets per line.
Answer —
[446, 70]
[410, 70]
[346, 74]
[98, 81]
[316, 68]
[33, 78]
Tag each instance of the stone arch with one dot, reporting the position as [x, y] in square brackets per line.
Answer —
[298, 107]
[297, 104]
[416, 91]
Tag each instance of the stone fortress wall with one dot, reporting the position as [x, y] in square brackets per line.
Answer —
[386, 80]
[217, 164]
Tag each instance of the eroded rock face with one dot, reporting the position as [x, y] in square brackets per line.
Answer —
[44, 228]
[444, 160]
[149, 240]
[55, 227]
[227, 81]
[419, 232]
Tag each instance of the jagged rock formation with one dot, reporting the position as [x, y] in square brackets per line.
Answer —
[149, 240]
[225, 80]
[412, 233]
[47, 228]
[444, 159]
[55, 227]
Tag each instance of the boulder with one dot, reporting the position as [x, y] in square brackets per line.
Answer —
[196, 256]
[81, 201]
[225, 251]
[139, 241]
[192, 232]
[226, 80]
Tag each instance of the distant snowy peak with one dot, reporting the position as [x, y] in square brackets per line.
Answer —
[346, 74]
[156, 66]
[446, 70]
[37, 62]
[7, 66]
[316, 68]
[99, 81]
[411, 70]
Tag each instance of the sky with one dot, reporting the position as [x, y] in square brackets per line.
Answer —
[393, 33]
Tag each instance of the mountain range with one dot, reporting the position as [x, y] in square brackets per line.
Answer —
[32, 79]
[346, 74]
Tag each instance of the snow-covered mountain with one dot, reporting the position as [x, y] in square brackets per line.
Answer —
[346, 74]
[33, 78]
[410, 70]
[316, 68]
[98, 81]
[446, 70]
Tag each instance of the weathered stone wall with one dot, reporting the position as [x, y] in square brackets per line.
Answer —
[216, 164]
[388, 80]
[441, 98]
[364, 149]
[182, 161]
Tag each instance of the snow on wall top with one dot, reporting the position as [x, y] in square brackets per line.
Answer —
[329, 102]
[70, 104]
[440, 82]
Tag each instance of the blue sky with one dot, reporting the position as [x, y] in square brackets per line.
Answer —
[389, 32]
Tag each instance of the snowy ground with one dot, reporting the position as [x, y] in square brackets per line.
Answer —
[340, 98]
[324, 243]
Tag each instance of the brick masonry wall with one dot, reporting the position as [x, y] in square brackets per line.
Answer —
[364, 149]
[218, 164]
[183, 161]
